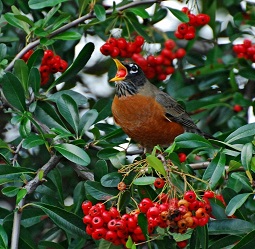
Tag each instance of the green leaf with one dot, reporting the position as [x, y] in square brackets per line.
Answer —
[146, 191]
[143, 223]
[21, 194]
[50, 244]
[35, 59]
[215, 170]
[191, 140]
[203, 236]
[145, 180]
[225, 241]
[24, 19]
[103, 106]
[25, 127]
[111, 179]
[69, 110]
[242, 132]
[247, 73]
[155, 163]
[32, 141]
[107, 153]
[77, 65]
[34, 79]
[21, 72]
[236, 202]
[73, 153]
[104, 244]
[67, 36]
[230, 227]
[87, 120]
[99, 192]
[12, 20]
[139, 11]
[10, 191]
[246, 156]
[38, 4]
[13, 91]
[100, 12]
[4, 145]
[3, 51]
[179, 15]
[246, 242]
[7, 171]
[100, 169]
[69, 222]
[241, 178]
[3, 238]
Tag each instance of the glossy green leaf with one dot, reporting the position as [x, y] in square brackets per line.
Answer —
[68, 35]
[139, 11]
[69, 110]
[69, 222]
[124, 200]
[143, 223]
[203, 236]
[87, 120]
[30, 217]
[99, 192]
[12, 20]
[236, 202]
[13, 91]
[100, 12]
[225, 241]
[77, 65]
[73, 153]
[179, 14]
[3, 51]
[155, 163]
[145, 180]
[21, 72]
[242, 132]
[246, 156]
[24, 19]
[246, 242]
[25, 127]
[146, 191]
[49, 244]
[38, 4]
[215, 170]
[34, 79]
[107, 153]
[111, 179]
[100, 170]
[230, 226]
[4, 145]
[247, 73]
[241, 178]
[32, 141]
[104, 244]
[35, 59]
[10, 191]
[21, 194]
[103, 106]
[78, 197]
[3, 238]
[7, 171]
[191, 140]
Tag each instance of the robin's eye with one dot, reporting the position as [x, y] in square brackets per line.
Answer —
[133, 69]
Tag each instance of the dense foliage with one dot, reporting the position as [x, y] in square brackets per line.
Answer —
[70, 178]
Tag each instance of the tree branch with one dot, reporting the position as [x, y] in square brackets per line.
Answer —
[73, 24]
[30, 187]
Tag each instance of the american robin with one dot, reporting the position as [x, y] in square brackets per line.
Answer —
[146, 114]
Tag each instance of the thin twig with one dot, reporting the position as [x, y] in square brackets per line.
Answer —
[73, 24]
[30, 187]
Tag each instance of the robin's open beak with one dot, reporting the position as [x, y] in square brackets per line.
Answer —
[121, 71]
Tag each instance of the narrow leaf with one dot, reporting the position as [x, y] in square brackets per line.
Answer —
[246, 156]
[100, 12]
[236, 202]
[21, 194]
[3, 238]
[146, 180]
[68, 35]
[246, 242]
[13, 91]
[38, 4]
[73, 153]
[69, 222]
[179, 15]
[87, 120]
[155, 163]
[111, 179]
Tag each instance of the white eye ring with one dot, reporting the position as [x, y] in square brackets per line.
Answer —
[133, 68]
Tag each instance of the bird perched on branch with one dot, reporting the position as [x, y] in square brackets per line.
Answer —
[146, 114]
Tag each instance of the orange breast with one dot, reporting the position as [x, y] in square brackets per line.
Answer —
[143, 120]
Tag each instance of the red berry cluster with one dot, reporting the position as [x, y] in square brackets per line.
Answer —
[187, 31]
[175, 214]
[245, 50]
[120, 47]
[51, 63]
[110, 224]
[153, 66]
[160, 65]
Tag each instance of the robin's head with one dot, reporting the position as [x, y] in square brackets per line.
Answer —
[128, 79]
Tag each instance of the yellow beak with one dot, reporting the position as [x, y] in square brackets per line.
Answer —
[121, 71]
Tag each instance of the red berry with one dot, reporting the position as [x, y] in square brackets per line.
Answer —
[167, 53]
[169, 70]
[97, 222]
[159, 59]
[87, 219]
[112, 41]
[185, 10]
[145, 204]
[170, 44]
[237, 108]
[183, 28]
[89, 229]
[86, 206]
[131, 47]
[95, 211]
[114, 212]
[122, 43]
[62, 66]
[189, 36]
[182, 244]
[159, 183]
[115, 52]
[27, 55]
[193, 206]
[178, 35]
[200, 213]
[139, 40]
[106, 49]
[247, 43]
[202, 19]
[192, 20]
[48, 54]
[112, 225]
[209, 194]
[182, 157]
[162, 76]
[99, 233]
[153, 212]
[203, 221]
[111, 236]
[190, 196]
